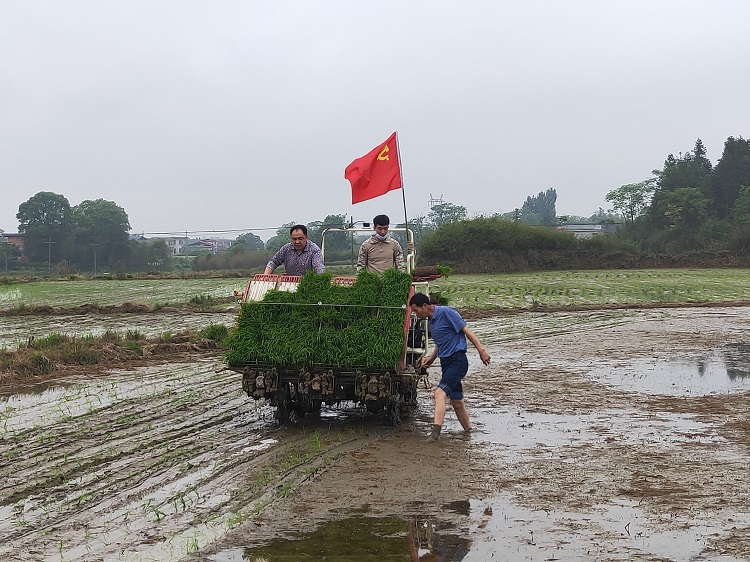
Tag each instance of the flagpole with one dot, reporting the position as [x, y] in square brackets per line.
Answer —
[401, 176]
[403, 198]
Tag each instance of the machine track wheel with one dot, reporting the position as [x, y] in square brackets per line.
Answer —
[283, 404]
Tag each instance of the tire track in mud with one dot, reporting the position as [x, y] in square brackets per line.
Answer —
[152, 463]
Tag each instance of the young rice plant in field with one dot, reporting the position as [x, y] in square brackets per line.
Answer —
[360, 325]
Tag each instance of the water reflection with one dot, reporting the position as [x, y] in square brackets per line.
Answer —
[361, 537]
[737, 359]
[720, 371]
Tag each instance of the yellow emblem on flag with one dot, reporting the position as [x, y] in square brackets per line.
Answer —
[384, 153]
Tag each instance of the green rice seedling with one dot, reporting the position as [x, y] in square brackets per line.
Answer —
[111, 336]
[286, 489]
[202, 299]
[50, 340]
[134, 335]
[193, 545]
[235, 519]
[359, 325]
[315, 442]
[215, 332]
[263, 477]
[134, 346]
[294, 460]
[259, 507]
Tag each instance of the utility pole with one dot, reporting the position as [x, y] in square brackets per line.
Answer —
[49, 255]
[351, 236]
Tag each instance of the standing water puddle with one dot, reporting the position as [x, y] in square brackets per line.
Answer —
[615, 531]
[361, 537]
[721, 371]
[499, 530]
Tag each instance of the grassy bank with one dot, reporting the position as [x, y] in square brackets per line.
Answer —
[41, 356]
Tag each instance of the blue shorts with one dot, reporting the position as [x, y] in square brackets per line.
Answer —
[454, 369]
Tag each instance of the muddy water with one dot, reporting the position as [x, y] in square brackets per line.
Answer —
[377, 538]
[94, 469]
[600, 436]
[718, 371]
[149, 464]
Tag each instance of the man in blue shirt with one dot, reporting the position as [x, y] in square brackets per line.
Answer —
[299, 255]
[449, 333]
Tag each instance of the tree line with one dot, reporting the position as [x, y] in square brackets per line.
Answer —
[90, 235]
[94, 236]
[689, 213]
[690, 204]
[249, 251]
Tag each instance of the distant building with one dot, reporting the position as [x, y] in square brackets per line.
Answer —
[208, 245]
[13, 238]
[220, 244]
[178, 244]
[589, 230]
[184, 246]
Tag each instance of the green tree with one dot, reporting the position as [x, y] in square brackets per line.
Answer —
[281, 237]
[445, 213]
[692, 169]
[741, 207]
[540, 209]
[101, 233]
[679, 216]
[419, 225]
[45, 220]
[248, 241]
[334, 241]
[732, 172]
[151, 255]
[631, 199]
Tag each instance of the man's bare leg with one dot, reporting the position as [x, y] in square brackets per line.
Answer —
[462, 413]
[440, 397]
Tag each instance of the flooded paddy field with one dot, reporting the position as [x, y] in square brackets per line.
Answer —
[601, 435]
[149, 464]
[616, 435]
[66, 294]
[18, 329]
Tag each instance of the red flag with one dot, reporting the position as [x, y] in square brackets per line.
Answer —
[375, 173]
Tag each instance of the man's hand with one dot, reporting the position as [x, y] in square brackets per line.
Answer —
[484, 356]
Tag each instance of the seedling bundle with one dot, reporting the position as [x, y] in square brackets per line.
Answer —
[346, 326]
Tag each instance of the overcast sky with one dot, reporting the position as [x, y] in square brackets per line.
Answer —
[234, 115]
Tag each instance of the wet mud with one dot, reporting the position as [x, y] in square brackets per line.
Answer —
[18, 329]
[600, 435]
